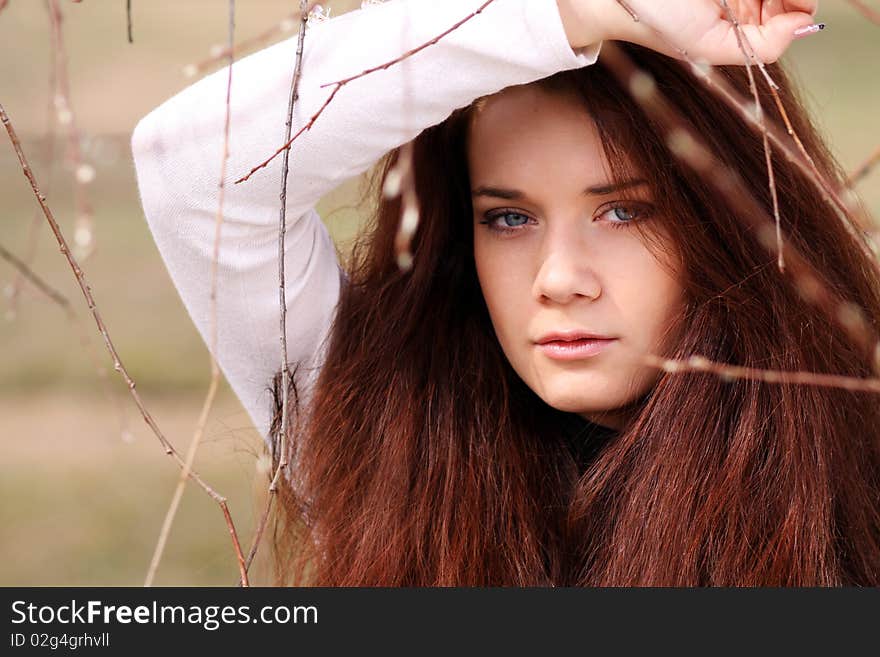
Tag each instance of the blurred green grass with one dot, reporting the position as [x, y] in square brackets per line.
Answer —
[83, 508]
[79, 505]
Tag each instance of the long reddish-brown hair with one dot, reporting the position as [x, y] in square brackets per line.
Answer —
[422, 459]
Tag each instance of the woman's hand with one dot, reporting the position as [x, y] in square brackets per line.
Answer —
[699, 27]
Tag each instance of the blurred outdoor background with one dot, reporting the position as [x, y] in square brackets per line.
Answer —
[81, 500]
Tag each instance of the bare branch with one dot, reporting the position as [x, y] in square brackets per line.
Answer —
[341, 83]
[749, 54]
[286, 24]
[26, 272]
[871, 14]
[851, 220]
[215, 370]
[731, 372]
[84, 174]
[29, 274]
[864, 168]
[282, 232]
[49, 159]
[117, 363]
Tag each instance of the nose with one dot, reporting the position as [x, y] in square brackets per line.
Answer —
[566, 271]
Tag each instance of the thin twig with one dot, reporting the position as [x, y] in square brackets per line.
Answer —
[749, 54]
[285, 25]
[282, 298]
[84, 174]
[341, 83]
[215, 370]
[117, 362]
[871, 14]
[804, 162]
[848, 213]
[864, 168]
[25, 271]
[731, 372]
[128, 19]
[629, 10]
[282, 232]
[258, 533]
[49, 159]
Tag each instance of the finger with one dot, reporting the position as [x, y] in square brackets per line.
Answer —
[771, 8]
[746, 11]
[805, 6]
[770, 40]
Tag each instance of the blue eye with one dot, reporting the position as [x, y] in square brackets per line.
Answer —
[510, 221]
[621, 213]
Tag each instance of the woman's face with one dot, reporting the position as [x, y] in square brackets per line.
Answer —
[557, 250]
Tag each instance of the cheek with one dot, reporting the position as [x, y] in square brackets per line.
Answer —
[505, 287]
[655, 302]
[490, 275]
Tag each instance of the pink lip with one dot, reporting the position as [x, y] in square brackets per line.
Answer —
[570, 335]
[574, 349]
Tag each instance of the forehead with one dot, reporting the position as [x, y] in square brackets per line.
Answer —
[524, 132]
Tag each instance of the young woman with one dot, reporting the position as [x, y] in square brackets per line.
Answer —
[487, 417]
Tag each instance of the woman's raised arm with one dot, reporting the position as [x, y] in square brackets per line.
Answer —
[178, 146]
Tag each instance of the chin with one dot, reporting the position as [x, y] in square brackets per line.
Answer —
[575, 404]
[587, 397]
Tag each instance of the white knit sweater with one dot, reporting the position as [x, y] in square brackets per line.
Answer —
[178, 147]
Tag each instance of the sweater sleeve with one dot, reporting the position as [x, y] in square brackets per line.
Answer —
[178, 146]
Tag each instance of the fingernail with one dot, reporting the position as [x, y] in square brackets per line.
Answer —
[808, 30]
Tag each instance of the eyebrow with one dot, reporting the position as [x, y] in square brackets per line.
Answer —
[594, 190]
